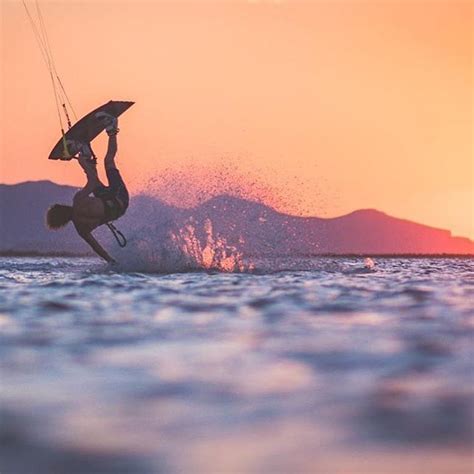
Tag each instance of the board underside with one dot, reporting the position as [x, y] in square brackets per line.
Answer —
[86, 129]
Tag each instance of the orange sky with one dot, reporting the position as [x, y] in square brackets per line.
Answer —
[332, 106]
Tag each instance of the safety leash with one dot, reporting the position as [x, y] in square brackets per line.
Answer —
[119, 237]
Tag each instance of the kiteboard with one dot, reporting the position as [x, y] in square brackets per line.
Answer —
[85, 130]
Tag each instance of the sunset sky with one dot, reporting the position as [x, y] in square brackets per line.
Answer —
[318, 108]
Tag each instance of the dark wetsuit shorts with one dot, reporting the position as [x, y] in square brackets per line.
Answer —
[117, 186]
[115, 196]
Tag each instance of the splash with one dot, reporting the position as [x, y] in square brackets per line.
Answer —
[369, 263]
[215, 254]
[184, 246]
[208, 218]
[190, 186]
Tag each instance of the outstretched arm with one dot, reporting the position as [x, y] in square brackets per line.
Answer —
[96, 247]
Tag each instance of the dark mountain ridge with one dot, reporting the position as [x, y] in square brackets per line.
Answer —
[253, 227]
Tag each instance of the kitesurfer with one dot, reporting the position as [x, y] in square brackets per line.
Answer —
[107, 204]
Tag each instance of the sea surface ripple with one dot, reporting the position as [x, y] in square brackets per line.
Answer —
[316, 365]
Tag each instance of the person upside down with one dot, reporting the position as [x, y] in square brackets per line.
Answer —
[107, 204]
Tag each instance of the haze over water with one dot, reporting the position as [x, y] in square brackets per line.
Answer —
[308, 365]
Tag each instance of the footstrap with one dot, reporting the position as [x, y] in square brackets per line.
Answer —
[119, 237]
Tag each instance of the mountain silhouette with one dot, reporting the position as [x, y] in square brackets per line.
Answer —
[252, 227]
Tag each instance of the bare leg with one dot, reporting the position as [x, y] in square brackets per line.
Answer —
[116, 183]
[109, 161]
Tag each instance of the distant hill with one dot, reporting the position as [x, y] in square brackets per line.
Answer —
[252, 227]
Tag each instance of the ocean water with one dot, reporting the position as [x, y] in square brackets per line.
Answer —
[272, 366]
